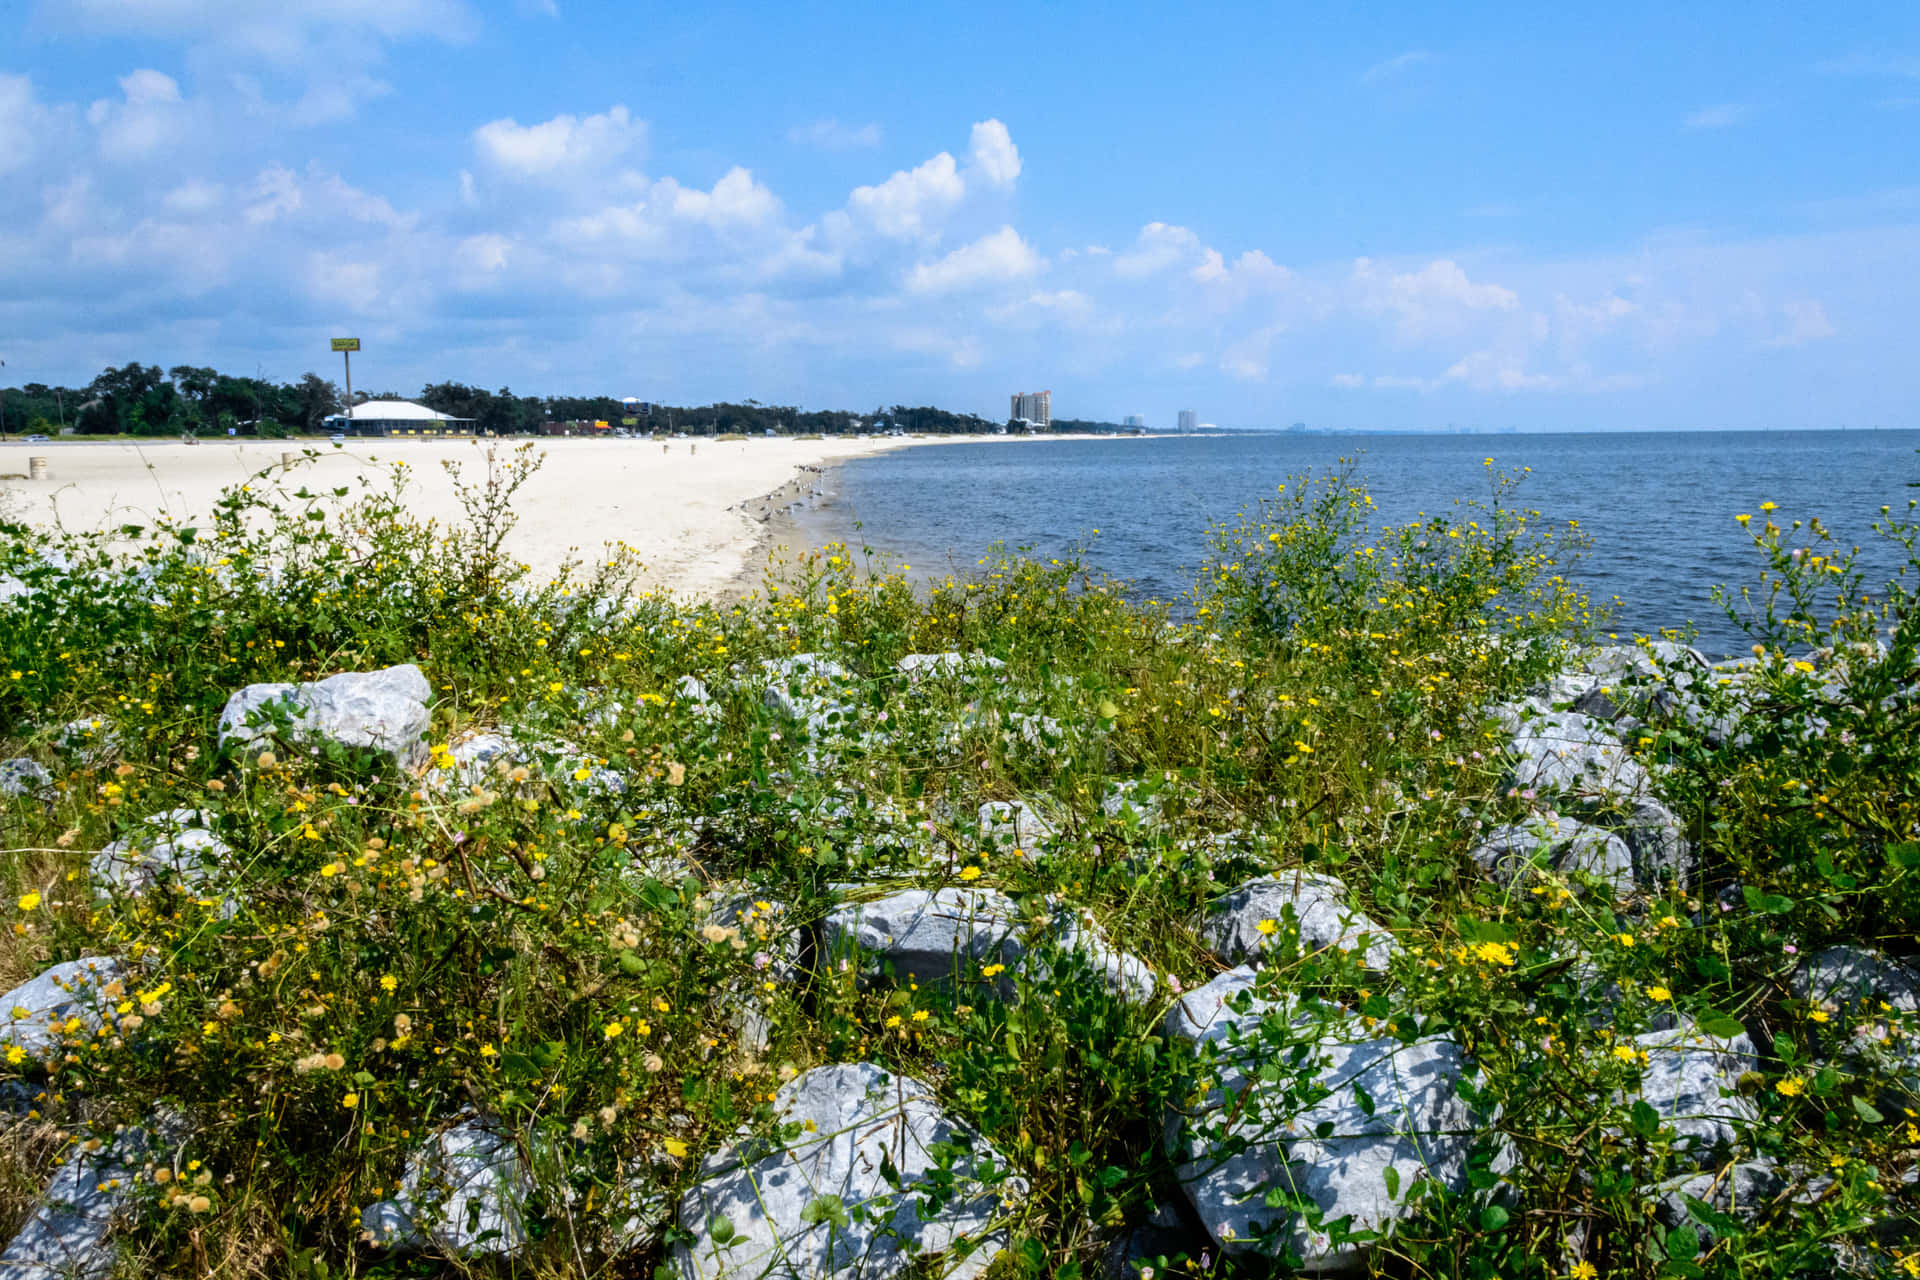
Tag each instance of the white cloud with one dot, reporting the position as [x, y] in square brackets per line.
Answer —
[1160, 247]
[1723, 116]
[994, 156]
[281, 30]
[565, 144]
[907, 204]
[150, 119]
[24, 123]
[736, 200]
[993, 259]
[831, 135]
[1391, 67]
[1806, 322]
[1348, 381]
[1435, 301]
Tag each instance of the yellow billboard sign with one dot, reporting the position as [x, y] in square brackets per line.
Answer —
[346, 344]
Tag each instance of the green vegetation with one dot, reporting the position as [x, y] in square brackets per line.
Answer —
[382, 950]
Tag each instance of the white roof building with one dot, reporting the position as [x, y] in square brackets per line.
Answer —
[395, 417]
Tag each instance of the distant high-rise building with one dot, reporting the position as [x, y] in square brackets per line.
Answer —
[1187, 419]
[1135, 420]
[1033, 406]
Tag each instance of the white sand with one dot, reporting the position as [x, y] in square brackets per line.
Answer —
[670, 505]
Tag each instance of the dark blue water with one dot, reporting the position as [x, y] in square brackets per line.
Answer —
[1658, 506]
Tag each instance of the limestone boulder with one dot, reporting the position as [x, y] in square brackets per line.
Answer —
[1015, 826]
[1567, 753]
[1316, 904]
[828, 1203]
[1392, 1116]
[1561, 846]
[919, 668]
[1841, 977]
[173, 847]
[66, 1005]
[67, 1236]
[383, 710]
[24, 777]
[1691, 1079]
[462, 1195]
[951, 935]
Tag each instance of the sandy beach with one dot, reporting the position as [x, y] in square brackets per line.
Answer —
[688, 507]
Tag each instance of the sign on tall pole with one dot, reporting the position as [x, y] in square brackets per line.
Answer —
[346, 347]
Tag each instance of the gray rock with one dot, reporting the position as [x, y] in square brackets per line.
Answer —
[1390, 1106]
[1124, 798]
[792, 683]
[24, 777]
[461, 1194]
[188, 856]
[385, 710]
[1742, 1190]
[1231, 929]
[88, 738]
[1690, 1081]
[65, 1238]
[950, 935]
[1566, 752]
[1842, 976]
[1558, 845]
[692, 692]
[1013, 825]
[478, 756]
[1657, 840]
[823, 1206]
[1212, 1013]
[919, 667]
[40, 1012]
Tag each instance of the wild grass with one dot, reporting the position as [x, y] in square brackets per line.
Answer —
[384, 951]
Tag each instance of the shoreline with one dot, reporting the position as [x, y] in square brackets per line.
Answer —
[700, 514]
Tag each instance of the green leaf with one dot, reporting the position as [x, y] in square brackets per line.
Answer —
[1363, 1098]
[1720, 1026]
[1683, 1243]
[1644, 1120]
[1392, 1176]
[720, 1229]
[1866, 1112]
[828, 1208]
[1493, 1217]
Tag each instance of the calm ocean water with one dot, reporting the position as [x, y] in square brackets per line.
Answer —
[1659, 506]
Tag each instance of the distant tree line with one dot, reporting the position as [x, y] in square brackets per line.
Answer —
[146, 400]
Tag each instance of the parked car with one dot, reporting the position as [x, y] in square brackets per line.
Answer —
[336, 438]
[38, 440]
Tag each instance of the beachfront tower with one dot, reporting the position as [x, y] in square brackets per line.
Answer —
[1187, 417]
[1033, 406]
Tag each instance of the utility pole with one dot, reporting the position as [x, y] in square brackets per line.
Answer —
[3, 406]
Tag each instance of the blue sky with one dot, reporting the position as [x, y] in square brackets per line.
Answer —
[1618, 216]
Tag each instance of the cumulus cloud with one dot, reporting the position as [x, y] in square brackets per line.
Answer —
[831, 135]
[25, 123]
[149, 120]
[992, 259]
[994, 156]
[910, 203]
[1434, 301]
[564, 144]
[1159, 247]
